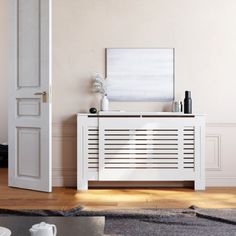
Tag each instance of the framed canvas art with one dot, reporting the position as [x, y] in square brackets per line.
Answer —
[140, 74]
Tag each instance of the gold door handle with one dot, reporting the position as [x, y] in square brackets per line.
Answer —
[43, 94]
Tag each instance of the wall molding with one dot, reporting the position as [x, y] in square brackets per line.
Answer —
[225, 181]
[220, 125]
[58, 124]
[216, 160]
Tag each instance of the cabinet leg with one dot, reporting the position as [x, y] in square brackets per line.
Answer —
[199, 185]
[82, 185]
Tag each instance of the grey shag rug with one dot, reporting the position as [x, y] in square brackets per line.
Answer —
[191, 221]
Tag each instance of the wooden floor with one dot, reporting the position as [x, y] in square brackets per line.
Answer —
[64, 198]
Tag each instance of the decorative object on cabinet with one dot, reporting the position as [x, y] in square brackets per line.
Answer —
[177, 106]
[105, 103]
[188, 103]
[99, 86]
[141, 146]
[145, 74]
[93, 110]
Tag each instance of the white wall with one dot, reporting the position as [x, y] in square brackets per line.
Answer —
[3, 71]
[201, 31]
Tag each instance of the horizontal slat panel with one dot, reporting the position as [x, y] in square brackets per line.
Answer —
[188, 141]
[93, 155]
[167, 165]
[93, 165]
[188, 149]
[142, 158]
[140, 168]
[93, 148]
[145, 141]
[188, 132]
[93, 128]
[188, 165]
[141, 136]
[93, 145]
[140, 146]
[93, 141]
[148, 149]
[144, 161]
[93, 136]
[188, 159]
[93, 160]
[188, 156]
[187, 145]
[92, 151]
[140, 151]
[188, 128]
[188, 152]
[134, 137]
[139, 155]
[140, 130]
[93, 132]
[139, 133]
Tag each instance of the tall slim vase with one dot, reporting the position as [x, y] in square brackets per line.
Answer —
[105, 103]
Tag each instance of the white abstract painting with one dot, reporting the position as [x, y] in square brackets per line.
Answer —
[140, 74]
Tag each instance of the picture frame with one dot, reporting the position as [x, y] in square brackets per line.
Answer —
[140, 74]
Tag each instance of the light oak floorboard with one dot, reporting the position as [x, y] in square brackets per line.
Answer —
[65, 198]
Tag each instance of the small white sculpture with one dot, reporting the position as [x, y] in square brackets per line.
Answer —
[43, 229]
[99, 84]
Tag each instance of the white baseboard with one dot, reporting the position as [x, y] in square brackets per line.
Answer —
[64, 177]
[221, 181]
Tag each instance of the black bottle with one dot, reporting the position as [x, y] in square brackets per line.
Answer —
[188, 103]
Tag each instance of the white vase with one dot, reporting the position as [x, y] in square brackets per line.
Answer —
[105, 103]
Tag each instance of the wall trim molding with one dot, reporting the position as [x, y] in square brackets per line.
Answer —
[58, 124]
[224, 181]
[217, 152]
[218, 125]
[223, 177]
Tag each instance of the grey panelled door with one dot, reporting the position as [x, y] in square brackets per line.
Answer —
[30, 98]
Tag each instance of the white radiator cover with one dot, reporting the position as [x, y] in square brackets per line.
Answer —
[123, 146]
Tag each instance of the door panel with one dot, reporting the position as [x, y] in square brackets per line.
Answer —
[28, 107]
[28, 152]
[29, 43]
[30, 98]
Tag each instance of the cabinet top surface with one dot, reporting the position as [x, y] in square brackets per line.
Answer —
[124, 113]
